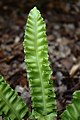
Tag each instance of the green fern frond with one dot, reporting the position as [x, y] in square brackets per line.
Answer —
[10, 103]
[72, 111]
[37, 65]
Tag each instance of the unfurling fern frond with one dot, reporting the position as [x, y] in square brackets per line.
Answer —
[72, 111]
[10, 103]
[37, 65]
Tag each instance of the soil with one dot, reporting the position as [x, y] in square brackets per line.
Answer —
[63, 33]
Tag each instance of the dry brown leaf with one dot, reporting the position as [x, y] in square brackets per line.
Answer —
[74, 69]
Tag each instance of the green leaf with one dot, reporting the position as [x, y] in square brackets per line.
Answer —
[72, 111]
[37, 66]
[4, 117]
[10, 103]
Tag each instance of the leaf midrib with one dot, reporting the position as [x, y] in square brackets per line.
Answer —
[9, 105]
[38, 64]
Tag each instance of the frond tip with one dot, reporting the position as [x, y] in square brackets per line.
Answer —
[10, 103]
[37, 66]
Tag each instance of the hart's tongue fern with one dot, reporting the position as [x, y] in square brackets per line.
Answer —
[10, 103]
[72, 111]
[37, 65]
[43, 97]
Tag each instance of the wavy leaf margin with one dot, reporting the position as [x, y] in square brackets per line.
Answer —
[37, 66]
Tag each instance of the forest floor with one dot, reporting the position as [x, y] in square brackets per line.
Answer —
[63, 32]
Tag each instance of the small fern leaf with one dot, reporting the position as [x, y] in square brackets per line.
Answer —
[10, 103]
[72, 111]
[37, 65]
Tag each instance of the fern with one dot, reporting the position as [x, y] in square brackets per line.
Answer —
[41, 87]
[10, 103]
[72, 111]
[37, 65]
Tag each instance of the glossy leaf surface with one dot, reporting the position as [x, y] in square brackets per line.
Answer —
[10, 103]
[72, 111]
[37, 65]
